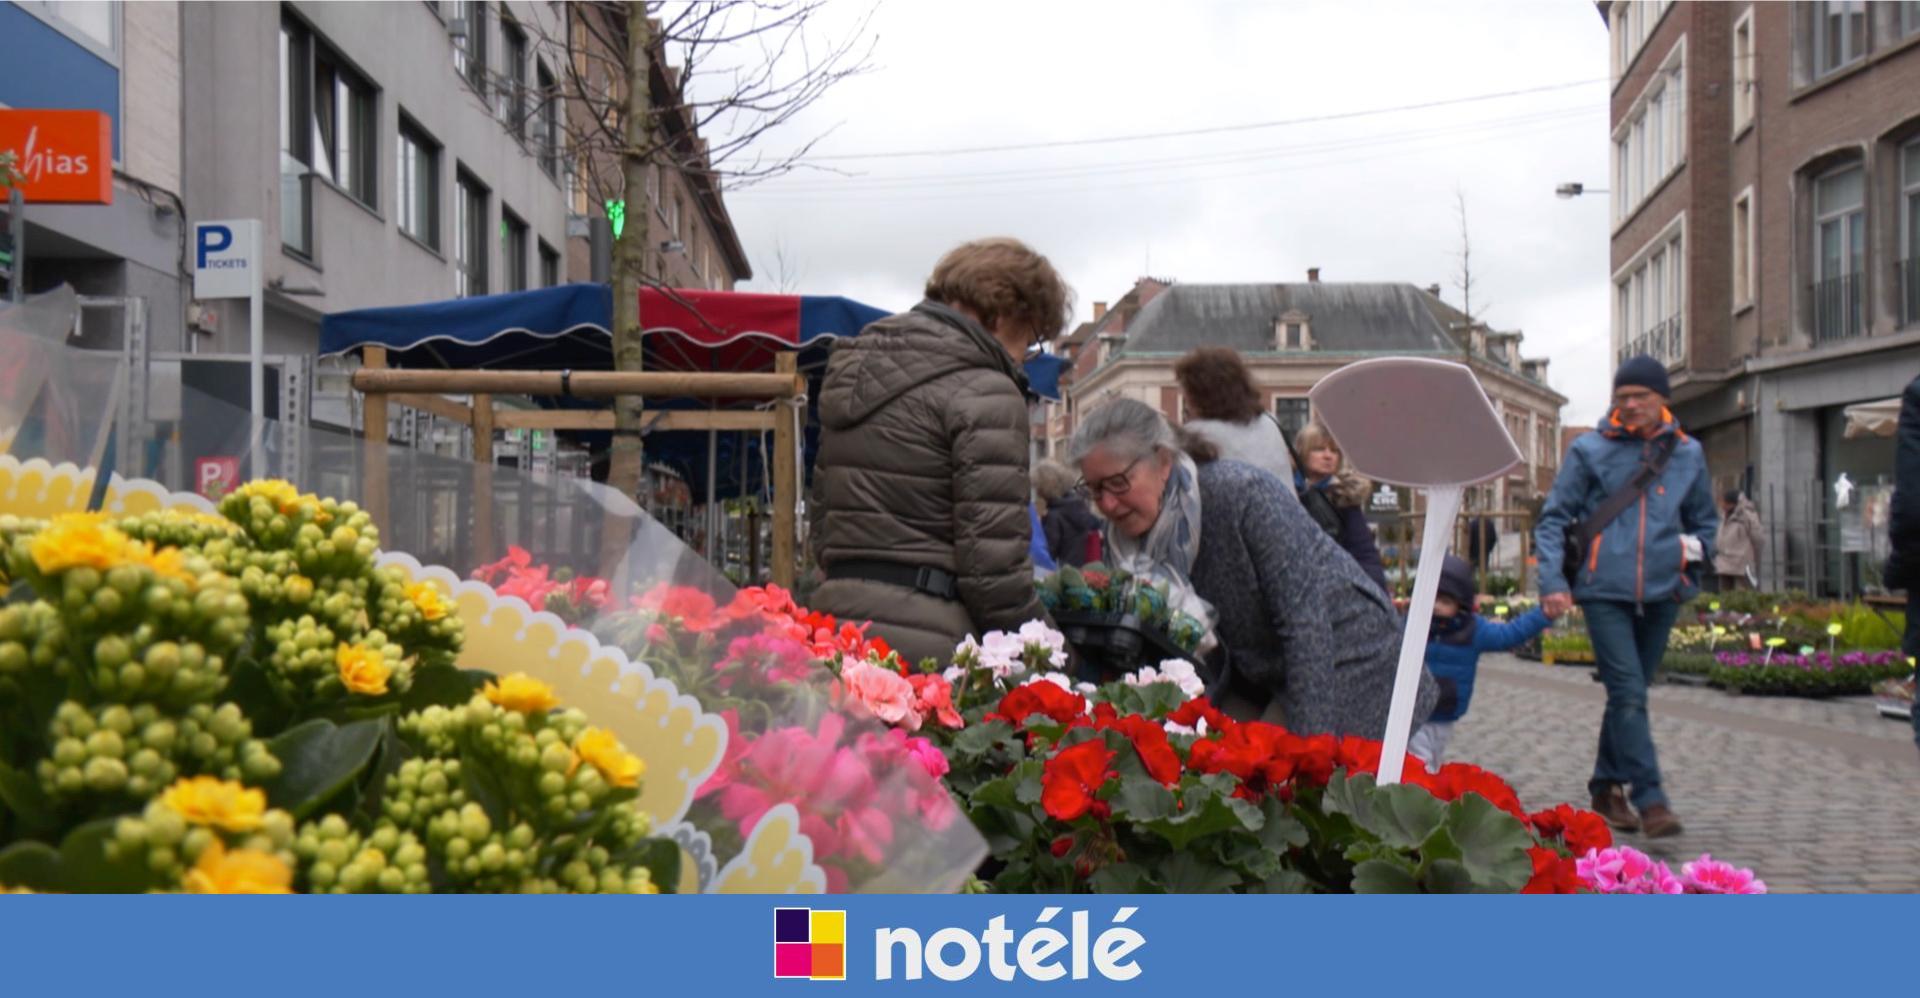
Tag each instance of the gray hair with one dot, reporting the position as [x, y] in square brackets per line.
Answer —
[1052, 480]
[1129, 429]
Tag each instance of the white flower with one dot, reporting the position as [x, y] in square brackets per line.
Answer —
[1086, 689]
[954, 674]
[1042, 645]
[1199, 728]
[967, 653]
[1181, 673]
[1000, 653]
[1058, 679]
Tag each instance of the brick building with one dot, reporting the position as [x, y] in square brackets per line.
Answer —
[1766, 232]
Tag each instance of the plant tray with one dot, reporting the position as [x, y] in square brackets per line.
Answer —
[1111, 645]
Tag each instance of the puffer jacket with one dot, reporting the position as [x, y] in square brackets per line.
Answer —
[923, 462]
[1638, 558]
[1737, 548]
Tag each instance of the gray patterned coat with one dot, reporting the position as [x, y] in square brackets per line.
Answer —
[1295, 612]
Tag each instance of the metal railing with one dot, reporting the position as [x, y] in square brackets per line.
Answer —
[1837, 308]
[1664, 342]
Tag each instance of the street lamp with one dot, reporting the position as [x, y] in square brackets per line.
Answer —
[1569, 191]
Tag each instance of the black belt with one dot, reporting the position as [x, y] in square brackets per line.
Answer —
[920, 578]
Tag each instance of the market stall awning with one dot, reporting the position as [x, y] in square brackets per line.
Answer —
[1872, 419]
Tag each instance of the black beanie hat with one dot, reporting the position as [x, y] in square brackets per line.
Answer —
[1645, 372]
[1456, 580]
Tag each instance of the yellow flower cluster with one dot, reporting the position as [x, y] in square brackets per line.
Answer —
[426, 597]
[284, 497]
[208, 800]
[85, 540]
[362, 670]
[599, 747]
[522, 693]
[242, 871]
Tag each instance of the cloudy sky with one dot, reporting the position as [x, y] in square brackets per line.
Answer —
[1366, 193]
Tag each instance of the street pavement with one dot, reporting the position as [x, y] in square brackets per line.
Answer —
[1813, 795]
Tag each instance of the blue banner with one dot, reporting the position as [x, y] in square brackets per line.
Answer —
[611, 946]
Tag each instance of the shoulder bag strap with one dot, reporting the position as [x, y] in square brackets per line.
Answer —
[1629, 493]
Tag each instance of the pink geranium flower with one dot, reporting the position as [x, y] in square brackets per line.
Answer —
[1707, 875]
[881, 693]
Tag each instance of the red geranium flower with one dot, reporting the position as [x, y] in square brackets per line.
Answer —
[1200, 709]
[1073, 776]
[1456, 779]
[1552, 873]
[1315, 758]
[933, 697]
[1260, 754]
[1040, 697]
[1150, 743]
[1579, 830]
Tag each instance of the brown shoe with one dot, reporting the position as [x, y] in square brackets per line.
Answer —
[1612, 806]
[1657, 821]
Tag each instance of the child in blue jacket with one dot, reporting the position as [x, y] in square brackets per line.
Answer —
[1454, 645]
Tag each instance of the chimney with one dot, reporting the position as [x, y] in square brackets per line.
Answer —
[1434, 290]
[1099, 310]
[1313, 275]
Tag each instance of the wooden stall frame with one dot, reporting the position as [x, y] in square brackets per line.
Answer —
[424, 390]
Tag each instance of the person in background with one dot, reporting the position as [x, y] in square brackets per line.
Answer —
[1454, 646]
[1043, 563]
[1346, 491]
[1903, 522]
[1632, 578]
[1736, 550]
[1224, 409]
[1071, 530]
[921, 488]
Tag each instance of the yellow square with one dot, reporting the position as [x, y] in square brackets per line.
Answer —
[829, 927]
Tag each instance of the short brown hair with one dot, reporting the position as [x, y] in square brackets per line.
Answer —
[1052, 480]
[1003, 278]
[1218, 385]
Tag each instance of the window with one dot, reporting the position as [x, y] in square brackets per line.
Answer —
[1650, 143]
[674, 208]
[1632, 23]
[653, 185]
[328, 128]
[549, 266]
[1839, 34]
[1910, 232]
[1743, 250]
[469, 237]
[470, 42]
[418, 190]
[296, 140]
[513, 250]
[547, 121]
[1292, 415]
[1839, 249]
[1907, 18]
[1744, 73]
[1650, 301]
[513, 89]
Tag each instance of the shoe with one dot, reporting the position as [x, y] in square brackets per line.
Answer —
[1657, 821]
[1612, 806]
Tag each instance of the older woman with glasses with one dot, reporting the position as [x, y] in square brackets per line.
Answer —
[1304, 636]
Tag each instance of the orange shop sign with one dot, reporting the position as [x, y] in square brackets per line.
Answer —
[63, 157]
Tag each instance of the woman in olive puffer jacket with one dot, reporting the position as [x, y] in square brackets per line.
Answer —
[920, 492]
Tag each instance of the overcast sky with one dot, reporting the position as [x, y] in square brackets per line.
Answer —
[1365, 198]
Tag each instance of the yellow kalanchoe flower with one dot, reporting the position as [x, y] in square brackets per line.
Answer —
[86, 540]
[208, 800]
[242, 871]
[426, 597]
[362, 669]
[284, 496]
[521, 692]
[620, 767]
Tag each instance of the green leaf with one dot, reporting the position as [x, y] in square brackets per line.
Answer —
[1118, 878]
[318, 759]
[1401, 815]
[1283, 882]
[661, 857]
[1282, 830]
[1493, 844]
[1205, 815]
[266, 708]
[1384, 876]
[484, 788]
[442, 686]
[1141, 798]
[79, 866]
[33, 865]
[21, 794]
[1026, 776]
[996, 793]
[979, 739]
[1186, 873]
[1449, 876]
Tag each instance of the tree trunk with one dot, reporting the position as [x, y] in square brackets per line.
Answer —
[626, 462]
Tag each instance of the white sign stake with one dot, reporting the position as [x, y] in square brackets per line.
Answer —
[1424, 424]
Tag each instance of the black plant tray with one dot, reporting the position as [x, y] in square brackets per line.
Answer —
[1111, 645]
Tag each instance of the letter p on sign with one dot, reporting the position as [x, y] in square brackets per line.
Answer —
[212, 239]
[226, 259]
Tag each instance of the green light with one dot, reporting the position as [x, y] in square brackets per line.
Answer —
[617, 214]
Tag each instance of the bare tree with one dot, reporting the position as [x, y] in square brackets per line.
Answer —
[650, 90]
[1463, 278]
[787, 271]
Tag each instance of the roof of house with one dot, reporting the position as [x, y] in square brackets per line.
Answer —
[1343, 317]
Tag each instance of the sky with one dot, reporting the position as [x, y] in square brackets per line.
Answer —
[1369, 192]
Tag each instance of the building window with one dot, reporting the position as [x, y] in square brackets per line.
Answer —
[1744, 73]
[328, 128]
[549, 266]
[1292, 415]
[1632, 23]
[1839, 251]
[296, 139]
[675, 207]
[513, 86]
[1743, 250]
[1907, 18]
[547, 121]
[513, 249]
[1910, 230]
[469, 237]
[1839, 34]
[470, 42]
[418, 189]
[1650, 143]
[653, 186]
[1650, 303]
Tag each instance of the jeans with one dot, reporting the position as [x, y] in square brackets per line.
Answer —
[1910, 643]
[1628, 643]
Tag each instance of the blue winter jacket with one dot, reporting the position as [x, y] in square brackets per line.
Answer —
[1638, 557]
[1456, 662]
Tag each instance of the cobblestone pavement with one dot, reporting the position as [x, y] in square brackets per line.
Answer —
[1814, 795]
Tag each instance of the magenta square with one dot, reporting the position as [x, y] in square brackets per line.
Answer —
[792, 960]
[792, 925]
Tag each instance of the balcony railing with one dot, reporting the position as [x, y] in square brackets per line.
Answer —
[1666, 342]
[1837, 313]
[1909, 271]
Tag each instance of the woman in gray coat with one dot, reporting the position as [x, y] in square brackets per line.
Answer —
[1297, 621]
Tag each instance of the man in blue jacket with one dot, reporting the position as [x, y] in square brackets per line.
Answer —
[1631, 579]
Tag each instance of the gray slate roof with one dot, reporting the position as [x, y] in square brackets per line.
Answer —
[1397, 318]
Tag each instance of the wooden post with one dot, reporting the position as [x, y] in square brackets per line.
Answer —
[786, 479]
[482, 479]
[373, 445]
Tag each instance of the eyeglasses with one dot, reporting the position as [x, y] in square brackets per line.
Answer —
[1112, 485]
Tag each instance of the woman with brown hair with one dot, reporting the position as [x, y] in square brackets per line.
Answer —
[1323, 470]
[921, 486]
[1072, 531]
[1224, 409]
